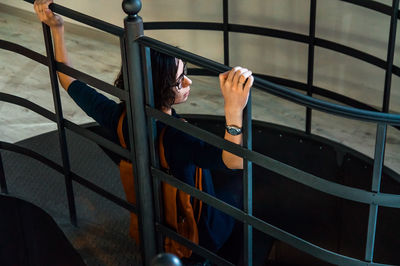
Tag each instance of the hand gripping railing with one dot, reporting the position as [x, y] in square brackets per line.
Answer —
[136, 59]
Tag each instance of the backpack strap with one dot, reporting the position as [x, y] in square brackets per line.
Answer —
[128, 182]
[179, 213]
[119, 129]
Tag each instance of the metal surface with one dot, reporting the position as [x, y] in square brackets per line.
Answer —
[143, 182]
[248, 183]
[60, 123]
[329, 187]
[225, 16]
[85, 19]
[55, 166]
[101, 141]
[310, 68]
[275, 89]
[154, 152]
[376, 184]
[196, 248]
[390, 56]
[260, 225]
[3, 183]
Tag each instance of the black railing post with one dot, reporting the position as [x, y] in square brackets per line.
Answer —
[60, 123]
[248, 184]
[390, 55]
[226, 31]
[310, 70]
[3, 183]
[381, 136]
[143, 182]
[152, 127]
[376, 184]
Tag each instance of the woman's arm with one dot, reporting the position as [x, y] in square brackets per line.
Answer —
[235, 86]
[56, 24]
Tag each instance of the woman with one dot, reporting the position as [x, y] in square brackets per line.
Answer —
[183, 153]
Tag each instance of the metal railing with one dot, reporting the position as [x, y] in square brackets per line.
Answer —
[140, 105]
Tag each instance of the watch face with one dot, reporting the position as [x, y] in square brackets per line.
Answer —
[233, 130]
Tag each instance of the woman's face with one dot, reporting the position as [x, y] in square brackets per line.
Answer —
[182, 88]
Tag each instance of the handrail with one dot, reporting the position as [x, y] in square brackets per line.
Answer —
[85, 19]
[55, 166]
[373, 198]
[269, 87]
[100, 84]
[290, 172]
[274, 89]
[261, 225]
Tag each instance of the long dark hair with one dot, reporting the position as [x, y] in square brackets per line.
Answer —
[164, 68]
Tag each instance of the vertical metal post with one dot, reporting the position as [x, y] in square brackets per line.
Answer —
[390, 55]
[381, 135]
[3, 183]
[152, 128]
[60, 123]
[248, 184]
[376, 183]
[226, 31]
[310, 71]
[144, 195]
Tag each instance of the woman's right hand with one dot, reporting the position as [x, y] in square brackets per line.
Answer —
[47, 16]
[235, 87]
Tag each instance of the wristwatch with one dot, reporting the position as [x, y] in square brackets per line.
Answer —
[233, 130]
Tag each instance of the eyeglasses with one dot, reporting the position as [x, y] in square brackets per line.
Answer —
[178, 84]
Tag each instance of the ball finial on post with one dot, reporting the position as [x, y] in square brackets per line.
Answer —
[166, 259]
[131, 7]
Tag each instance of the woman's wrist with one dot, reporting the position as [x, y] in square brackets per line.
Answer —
[57, 29]
[234, 117]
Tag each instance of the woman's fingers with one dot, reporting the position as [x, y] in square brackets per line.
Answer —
[41, 8]
[244, 77]
[222, 78]
[248, 84]
[238, 74]
[232, 74]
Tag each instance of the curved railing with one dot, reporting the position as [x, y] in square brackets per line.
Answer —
[136, 66]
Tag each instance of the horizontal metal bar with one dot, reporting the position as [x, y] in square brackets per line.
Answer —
[317, 183]
[105, 194]
[19, 49]
[55, 166]
[85, 19]
[28, 104]
[262, 31]
[298, 86]
[196, 248]
[287, 35]
[183, 25]
[97, 83]
[101, 85]
[108, 144]
[216, 69]
[373, 5]
[351, 52]
[260, 225]
[213, 201]
[307, 247]
[275, 89]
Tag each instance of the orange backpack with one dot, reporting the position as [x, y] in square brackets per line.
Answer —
[179, 213]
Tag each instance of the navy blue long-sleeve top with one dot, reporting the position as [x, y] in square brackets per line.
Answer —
[182, 152]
